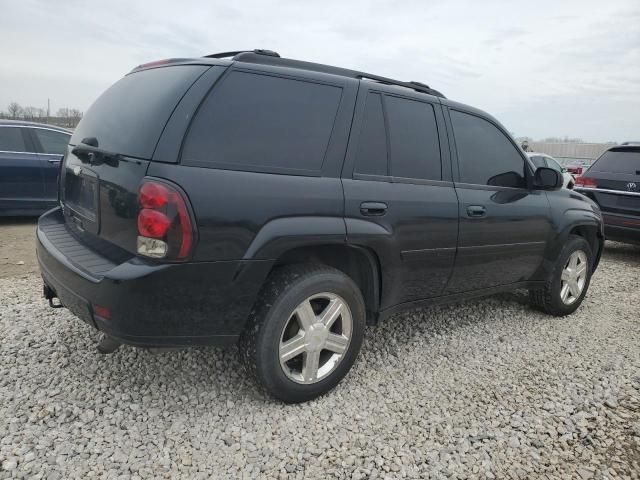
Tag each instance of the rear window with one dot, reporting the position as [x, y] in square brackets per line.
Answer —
[263, 123]
[538, 161]
[618, 161]
[129, 117]
[52, 142]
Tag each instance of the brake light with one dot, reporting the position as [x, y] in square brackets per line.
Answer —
[586, 182]
[153, 195]
[152, 223]
[165, 228]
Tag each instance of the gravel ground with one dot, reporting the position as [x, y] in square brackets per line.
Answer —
[488, 389]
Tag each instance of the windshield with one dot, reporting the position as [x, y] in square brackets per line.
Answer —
[129, 117]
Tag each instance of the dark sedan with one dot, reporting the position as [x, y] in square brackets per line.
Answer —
[613, 182]
[30, 155]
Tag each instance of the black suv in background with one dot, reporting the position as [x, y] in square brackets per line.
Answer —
[613, 182]
[283, 205]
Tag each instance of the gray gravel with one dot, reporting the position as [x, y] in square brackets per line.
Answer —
[489, 389]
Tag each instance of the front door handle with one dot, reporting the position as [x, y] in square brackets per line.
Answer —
[55, 161]
[373, 209]
[476, 211]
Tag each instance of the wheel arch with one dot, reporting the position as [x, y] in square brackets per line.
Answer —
[358, 263]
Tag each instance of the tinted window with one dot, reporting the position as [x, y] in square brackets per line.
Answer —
[485, 154]
[372, 144]
[618, 161]
[52, 142]
[129, 117]
[11, 140]
[263, 122]
[413, 134]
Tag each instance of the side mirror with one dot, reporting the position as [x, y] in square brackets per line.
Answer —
[547, 179]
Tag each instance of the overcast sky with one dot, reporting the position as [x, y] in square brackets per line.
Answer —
[544, 68]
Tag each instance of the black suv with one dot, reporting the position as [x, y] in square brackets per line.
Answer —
[613, 182]
[283, 205]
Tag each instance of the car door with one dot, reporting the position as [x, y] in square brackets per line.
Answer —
[504, 224]
[51, 145]
[399, 197]
[21, 178]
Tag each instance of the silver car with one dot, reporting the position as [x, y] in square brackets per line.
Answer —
[544, 160]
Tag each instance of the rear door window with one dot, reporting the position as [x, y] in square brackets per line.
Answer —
[12, 140]
[485, 154]
[267, 123]
[52, 142]
[625, 161]
[129, 117]
[371, 158]
[413, 134]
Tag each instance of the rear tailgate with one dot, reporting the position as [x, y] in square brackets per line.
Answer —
[617, 181]
[110, 151]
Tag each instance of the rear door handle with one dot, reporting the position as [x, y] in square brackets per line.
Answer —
[373, 209]
[476, 211]
[55, 161]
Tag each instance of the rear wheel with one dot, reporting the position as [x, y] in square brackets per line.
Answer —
[568, 282]
[304, 333]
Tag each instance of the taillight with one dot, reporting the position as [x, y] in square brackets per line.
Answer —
[586, 182]
[165, 229]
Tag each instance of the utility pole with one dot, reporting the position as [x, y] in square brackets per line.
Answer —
[48, 109]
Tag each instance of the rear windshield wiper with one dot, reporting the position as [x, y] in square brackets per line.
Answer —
[88, 152]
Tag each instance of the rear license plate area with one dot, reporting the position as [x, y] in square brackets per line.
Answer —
[81, 197]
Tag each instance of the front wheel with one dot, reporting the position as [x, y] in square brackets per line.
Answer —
[304, 333]
[568, 282]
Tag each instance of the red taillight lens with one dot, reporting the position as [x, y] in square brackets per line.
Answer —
[152, 223]
[586, 182]
[153, 195]
[164, 224]
[102, 312]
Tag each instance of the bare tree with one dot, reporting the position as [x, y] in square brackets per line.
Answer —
[75, 116]
[30, 113]
[15, 110]
[63, 116]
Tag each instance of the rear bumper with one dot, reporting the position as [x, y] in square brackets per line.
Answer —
[622, 228]
[151, 304]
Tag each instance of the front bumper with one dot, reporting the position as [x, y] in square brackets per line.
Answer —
[150, 304]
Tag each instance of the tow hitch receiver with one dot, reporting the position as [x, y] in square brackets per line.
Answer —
[49, 294]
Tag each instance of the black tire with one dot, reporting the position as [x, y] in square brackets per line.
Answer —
[548, 298]
[259, 344]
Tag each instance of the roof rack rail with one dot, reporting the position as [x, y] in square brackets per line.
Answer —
[259, 51]
[269, 57]
[417, 86]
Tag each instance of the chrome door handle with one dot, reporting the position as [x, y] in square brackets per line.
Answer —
[373, 209]
[476, 211]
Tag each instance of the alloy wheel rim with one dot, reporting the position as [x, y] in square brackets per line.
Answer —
[315, 338]
[574, 276]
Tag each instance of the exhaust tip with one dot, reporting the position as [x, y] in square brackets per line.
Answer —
[108, 345]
